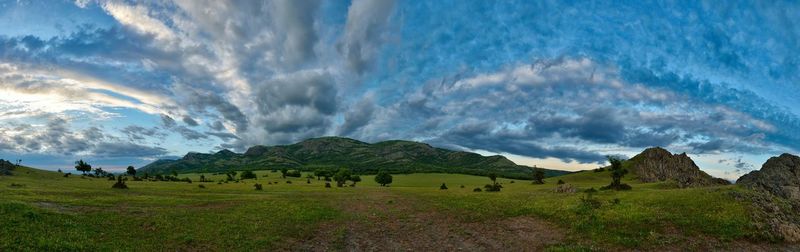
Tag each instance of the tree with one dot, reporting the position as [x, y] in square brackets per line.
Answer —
[319, 173]
[342, 176]
[248, 175]
[443, 187]
[383, 178]
[99, 172]
[83, 166]
[494, 187]
[617, 173]
[283, 172]
[538, 176]
[131, 171]
[355, 179]
[202, 178]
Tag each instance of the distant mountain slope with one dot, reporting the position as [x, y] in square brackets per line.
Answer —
[395, 156]
[657, 164]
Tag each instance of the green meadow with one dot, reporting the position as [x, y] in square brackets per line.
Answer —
[44, 211]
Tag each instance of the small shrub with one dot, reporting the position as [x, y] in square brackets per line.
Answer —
[201, 186]
[120, 184]
[615, 201]
[493, 187]
[111, 177]
[288, 181]
[258, 187]
[15, 185]
[219, 183]
[560, 182]
[308, 181]
[327, 185]
[590, 190]
[66, 175]
[443, 187]
[462, 186]
[512, 182]
[477, 189]
[269, 183]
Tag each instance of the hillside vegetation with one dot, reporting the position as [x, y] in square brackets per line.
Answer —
[394, 156]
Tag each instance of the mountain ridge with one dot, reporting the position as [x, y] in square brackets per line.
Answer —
[395, 156]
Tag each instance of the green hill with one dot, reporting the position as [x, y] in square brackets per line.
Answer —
[395, 156]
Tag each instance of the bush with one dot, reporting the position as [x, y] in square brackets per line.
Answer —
[120, 184]
[288, 181]
[258, 187]
[560, 182]
[462, 186]
[477, 189]
[294, 174]
[443, 187]
[327, 185]
[619, 187]
[492, 187]
[15, 185]
[201, 186]
[66, 175]
[111, 177]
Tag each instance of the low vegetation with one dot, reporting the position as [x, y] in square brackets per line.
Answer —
[56, 213]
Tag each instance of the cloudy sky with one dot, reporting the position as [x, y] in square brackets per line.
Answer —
[551, 84]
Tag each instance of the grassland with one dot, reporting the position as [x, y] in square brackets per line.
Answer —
[42, 210]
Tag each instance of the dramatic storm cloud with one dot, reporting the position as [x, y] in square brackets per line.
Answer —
[551, 84]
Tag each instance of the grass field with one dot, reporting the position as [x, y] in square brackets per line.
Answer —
[42, 210]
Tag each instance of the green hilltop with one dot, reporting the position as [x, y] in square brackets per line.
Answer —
[395, 156]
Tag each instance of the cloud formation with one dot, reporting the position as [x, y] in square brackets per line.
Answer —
[521, 78]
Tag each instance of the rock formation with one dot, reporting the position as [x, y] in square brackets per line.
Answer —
[657, 164]
[779, 176]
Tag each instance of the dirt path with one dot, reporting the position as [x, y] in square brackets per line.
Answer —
[389, 222]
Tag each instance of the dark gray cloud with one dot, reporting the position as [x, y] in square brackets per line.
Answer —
[357, 116]
[189, 121]
[167, 121]
[123, 149]
[139, 133]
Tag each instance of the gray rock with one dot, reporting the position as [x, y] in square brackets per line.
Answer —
[779, 176]
[657, 164]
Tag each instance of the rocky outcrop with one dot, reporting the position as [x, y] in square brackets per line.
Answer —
[775, 197]
[779, 176]
[657, 164]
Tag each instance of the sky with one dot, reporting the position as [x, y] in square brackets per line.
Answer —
[557, 84]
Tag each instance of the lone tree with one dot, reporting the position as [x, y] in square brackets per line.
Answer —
[83, 166]
[494, 187]
[383, 178]
[538, 176]
[131, 171]
[342, 176]
[283, 172]
[617, 172]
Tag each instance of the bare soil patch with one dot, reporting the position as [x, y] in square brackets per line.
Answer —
[387, 222]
